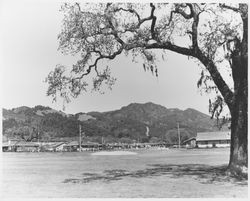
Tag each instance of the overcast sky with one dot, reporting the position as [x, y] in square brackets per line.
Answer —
[28, 48]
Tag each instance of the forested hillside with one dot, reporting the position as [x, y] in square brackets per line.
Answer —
[127, 124]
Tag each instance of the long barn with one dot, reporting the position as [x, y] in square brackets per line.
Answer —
[213, 139]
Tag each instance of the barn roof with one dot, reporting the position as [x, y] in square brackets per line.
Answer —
[219, 135]
[188, 140]
[26, 144]
[12, 142]
[58, 144]
[76, 143]
[5, 144]
[72, 143]
[55, 145]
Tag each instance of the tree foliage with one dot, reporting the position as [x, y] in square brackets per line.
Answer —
[207, 32]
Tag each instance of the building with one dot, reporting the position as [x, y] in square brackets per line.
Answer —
[189, 143]
[59, 146]
[72, 146]
[5, 147]
[10, 145]
[213, 139]
[91, 146]
[85, 146]
[23, 146]
[51, 147]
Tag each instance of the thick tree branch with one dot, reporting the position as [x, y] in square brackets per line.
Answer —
[153, 21]
[244, 17]
[172, 47]
[217, 78]
[194, 15]
[209, 64]
[184, 14]
[194, 28]
[170, 18]
[195, 52]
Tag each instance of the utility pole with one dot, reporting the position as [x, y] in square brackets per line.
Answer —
[38, 137]
[179, 136]
[102, 140]
[80, 138]
[38, 134]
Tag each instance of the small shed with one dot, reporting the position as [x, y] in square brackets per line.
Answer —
[213, 139]
[54, 146]
[10, 145]
[5, 147]
[71, 146]
[190, 143]
[59, 146]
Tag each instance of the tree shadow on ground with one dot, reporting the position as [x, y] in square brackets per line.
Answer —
[203, 173]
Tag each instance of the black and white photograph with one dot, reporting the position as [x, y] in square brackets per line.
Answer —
[124, 99]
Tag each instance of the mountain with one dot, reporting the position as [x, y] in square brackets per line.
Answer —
[127, 124]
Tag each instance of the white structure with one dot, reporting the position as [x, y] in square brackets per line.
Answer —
[213, 139]
[59, 146]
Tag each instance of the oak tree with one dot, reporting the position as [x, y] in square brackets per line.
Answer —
[215, 35]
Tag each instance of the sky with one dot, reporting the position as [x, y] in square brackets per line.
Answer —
[28, 52]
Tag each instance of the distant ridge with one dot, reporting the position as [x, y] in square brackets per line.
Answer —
[127, 124]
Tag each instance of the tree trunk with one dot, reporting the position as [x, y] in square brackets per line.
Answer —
[238, 163]
[238, 154]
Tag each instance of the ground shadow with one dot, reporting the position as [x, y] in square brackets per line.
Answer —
[203, 173]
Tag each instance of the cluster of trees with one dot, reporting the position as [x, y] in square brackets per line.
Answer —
[27, 130]
[33, 127]
[60, 125]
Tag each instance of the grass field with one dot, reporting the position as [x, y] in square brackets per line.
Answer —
[148, 174]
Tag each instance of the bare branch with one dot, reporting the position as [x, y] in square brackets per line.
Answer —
[129, 10]
[229, 7]
[94, 65]
[114, 33]
[170, 18]
[151, 17]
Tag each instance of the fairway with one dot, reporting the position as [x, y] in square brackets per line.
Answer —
[147, 174]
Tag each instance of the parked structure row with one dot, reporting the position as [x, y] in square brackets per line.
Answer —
[202, 140]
